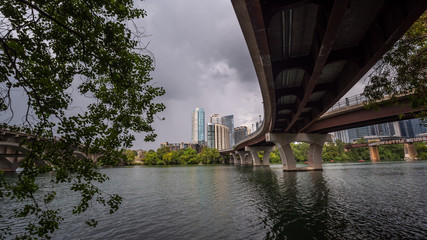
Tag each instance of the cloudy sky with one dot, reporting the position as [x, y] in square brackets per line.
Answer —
[201, 60]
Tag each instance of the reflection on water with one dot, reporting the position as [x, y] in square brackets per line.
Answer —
[344, 201]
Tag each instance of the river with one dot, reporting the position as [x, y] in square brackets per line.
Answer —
[385, 200]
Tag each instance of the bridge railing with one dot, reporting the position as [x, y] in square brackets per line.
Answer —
[348, 102]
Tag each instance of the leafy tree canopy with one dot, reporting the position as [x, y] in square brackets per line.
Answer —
[403, 70]
[52, 53]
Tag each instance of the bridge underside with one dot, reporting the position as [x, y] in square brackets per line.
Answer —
[346, 120]
[308, 54]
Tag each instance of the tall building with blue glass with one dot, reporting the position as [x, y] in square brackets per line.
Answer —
[228, 121]
[198, 126]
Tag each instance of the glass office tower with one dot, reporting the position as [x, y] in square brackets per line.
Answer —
[228, 121]
[198, 126]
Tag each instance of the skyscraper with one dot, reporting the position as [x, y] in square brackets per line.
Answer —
[215, 119]
[198, 126]
[240, 133]
[228, 121]
[222, 137]
[211, 135]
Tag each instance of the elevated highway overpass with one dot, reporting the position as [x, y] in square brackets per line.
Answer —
[307, 55]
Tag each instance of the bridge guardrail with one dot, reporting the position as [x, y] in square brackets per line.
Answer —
[348, 102]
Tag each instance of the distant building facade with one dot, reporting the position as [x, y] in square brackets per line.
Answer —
[198, 126]
[182, 145]
[240, 133]
[211, 135]
[228, 121]
[218, 136]
[222, 137]
[405, 128]
[215, 118]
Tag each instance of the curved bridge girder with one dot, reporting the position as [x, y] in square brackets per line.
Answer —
[308, 54]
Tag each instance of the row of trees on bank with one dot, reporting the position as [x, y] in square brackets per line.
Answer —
[164, 156]
[334, 151]
[337, 153]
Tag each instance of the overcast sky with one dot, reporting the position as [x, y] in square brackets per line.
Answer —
[201, 60]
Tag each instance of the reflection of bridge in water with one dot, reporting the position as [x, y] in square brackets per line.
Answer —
[12, 152]
[307, 56]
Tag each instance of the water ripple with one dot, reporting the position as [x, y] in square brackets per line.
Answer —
[344, 201]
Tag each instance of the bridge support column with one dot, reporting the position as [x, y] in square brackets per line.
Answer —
[315, 156]
[265, 159]
[410, 151]
[254, 155]
[283, 140]
[244, 158]
[234, 159]
[374, 154]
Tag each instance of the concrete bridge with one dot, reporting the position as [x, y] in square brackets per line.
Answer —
[307, 56]
[408, 147]
[12, 152]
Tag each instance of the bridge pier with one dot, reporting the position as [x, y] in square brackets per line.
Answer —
[374, 154]
[410, 151]
[234, 158]
[283, 140]
[244, 160]
[254, 153]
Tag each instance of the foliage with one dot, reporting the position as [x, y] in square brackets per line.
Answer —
[54, 52]
[403, 70]
[421, 150]
[335, 151]
[130, 156]
[300, 151]
[163, 156]
[209, 155]
[275, 157]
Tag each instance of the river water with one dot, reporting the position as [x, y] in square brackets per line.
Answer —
[344, 201]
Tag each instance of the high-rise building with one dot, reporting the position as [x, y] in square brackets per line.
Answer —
[240, 133]
[228, 121]
[215, 118]
[198, 126]
[222, 137]
[211, 135]
[218, 136]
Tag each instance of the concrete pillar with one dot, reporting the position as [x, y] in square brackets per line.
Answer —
[254, 152]
[244, 159]
[410, 151]
[315, 156]
[283, 140]
[234, 159]
[374, 154]
[266, 157]
[255, 158]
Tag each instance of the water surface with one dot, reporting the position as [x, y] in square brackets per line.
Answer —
[344, 201]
